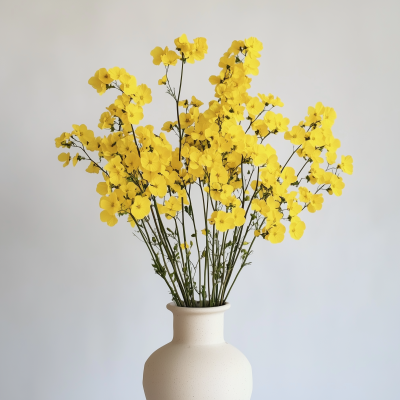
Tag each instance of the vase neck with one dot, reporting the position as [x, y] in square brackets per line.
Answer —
[198, 326]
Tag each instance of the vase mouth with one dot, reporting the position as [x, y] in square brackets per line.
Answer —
[197, 310]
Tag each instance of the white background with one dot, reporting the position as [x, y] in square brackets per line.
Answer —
[80, 306]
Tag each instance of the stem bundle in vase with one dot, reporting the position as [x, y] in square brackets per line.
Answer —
[200, 206]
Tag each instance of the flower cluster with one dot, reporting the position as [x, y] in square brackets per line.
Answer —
[223, 152]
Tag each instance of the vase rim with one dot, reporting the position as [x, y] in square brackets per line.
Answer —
[197, 310]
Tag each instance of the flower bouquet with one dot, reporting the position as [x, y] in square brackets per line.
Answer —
[204, 188]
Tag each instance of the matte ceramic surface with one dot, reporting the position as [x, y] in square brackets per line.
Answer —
[197, 364]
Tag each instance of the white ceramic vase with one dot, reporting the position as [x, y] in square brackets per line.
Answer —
[197, 364]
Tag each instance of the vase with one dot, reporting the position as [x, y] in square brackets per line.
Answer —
[197, 364]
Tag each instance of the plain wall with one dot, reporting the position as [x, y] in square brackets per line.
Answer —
[80, 306]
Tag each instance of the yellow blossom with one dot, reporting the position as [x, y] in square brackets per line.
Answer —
[163, 80]
[277, 233]
[169, 58]
[346, 165]
[224, 221]
[158, 186]
[128, 84]
[105, 216]
[116, 72]
[110, 203]
[97, 83]
[142, 95]
[92, 168]
[135, 113]
[296, 228]
[157, 53]
[151, 162]
[337, 185]
[65, 158]
[238, 216]
[141, 207]
[315, 202]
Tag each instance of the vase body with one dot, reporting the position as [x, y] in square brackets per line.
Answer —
[197, 364]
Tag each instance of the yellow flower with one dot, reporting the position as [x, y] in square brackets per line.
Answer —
[106, 120]
[182, 44]
[337, 185]
[116, 72]
[236, 47]
[171, 207]
[305, 194]
[330, 157]
[132, 162]
[185, 120]
[142, 95]
[61, 139]
[158, 186]
[270, 120]
[251, 66]
[253, 47]
[141, 207]
[224, 221]
[195, 102]
[97, 84]
[104, 76]
[288, 175]
[226, 191]
[151, 162]
[114, 165]
[92, 168]
[105, 216]
[102, 188]
[65, 158]
[110, 203]
[239, 216]
[122, 101]
[277, 233]
[316, 201]
[281, 123]
[163, 80]
[219, 174]
[329, 117]
[128, 84]
[294, 208]
[270, 100]
[199, 48]
[135, 113]
[168, 126]
[157, 53]
[296, 135]
[126, 146]
[315, 113]
[211, 220]
[346, 164]
[169, 58]
[254, 106]
[296, 228]
[184, 245]
[183, 103]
